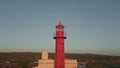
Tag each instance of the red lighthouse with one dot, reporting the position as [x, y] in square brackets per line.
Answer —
[59, 49]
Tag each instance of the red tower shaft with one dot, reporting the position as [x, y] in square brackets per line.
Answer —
[59, 49]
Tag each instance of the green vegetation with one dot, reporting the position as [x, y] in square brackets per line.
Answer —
[94, 61]
[23, 57]
[104, 65]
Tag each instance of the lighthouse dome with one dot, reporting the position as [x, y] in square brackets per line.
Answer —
[60, 25]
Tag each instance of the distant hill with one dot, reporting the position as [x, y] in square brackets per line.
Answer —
[32, 56]
[93, 60]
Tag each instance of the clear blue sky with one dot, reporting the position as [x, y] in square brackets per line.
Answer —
[92, 26]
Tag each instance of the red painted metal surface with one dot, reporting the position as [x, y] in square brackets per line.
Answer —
[59, 49]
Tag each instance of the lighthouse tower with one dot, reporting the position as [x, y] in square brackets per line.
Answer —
[59, 48]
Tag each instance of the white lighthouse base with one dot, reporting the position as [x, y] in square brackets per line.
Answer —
[49, 63]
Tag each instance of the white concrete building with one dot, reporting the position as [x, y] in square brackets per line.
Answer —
[49, 63]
